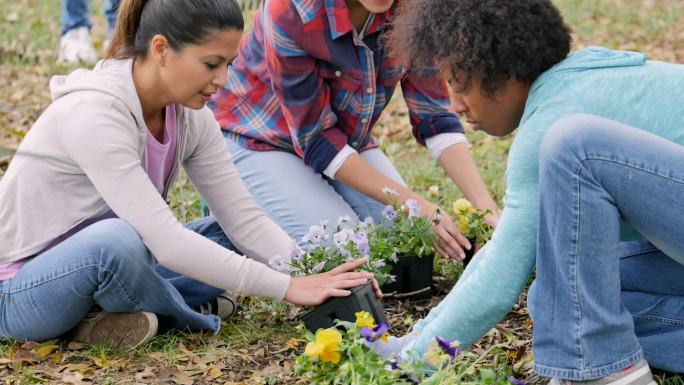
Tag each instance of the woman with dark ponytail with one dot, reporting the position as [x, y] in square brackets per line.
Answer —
[84, 224]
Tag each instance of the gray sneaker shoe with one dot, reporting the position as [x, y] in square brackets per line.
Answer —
[637, 374]
[119, 330]
[224, 306]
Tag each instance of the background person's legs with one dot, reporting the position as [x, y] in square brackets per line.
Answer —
[594, 172]
[111, 9]
[363, 205]
[76, 44]
[293, 195]
[75, 14]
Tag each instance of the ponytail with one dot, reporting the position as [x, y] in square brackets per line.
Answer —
[127, 22]
[181, 22]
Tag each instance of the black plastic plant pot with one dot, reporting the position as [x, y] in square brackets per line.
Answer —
[362, 298]
[413, 275]
[469, 253]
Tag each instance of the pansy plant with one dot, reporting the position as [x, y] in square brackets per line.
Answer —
[325, 247]
[345, 355]
[403, 230]
[471, 221]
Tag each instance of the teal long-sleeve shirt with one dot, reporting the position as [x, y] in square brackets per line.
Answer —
[617, 85]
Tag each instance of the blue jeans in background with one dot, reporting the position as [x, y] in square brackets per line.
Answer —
[105, 264]
[296, 197]
[75, 14]
[599, 303]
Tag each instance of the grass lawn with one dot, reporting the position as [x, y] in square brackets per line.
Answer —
[259, 345]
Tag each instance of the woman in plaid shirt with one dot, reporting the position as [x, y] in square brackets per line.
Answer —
[308, 84]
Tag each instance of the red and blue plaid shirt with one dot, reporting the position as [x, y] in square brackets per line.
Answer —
[304, 81]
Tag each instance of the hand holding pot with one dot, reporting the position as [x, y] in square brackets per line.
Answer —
[315, 289]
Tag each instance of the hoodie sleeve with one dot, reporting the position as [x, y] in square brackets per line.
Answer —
[212, 171]
[492, 283]
[103, 141]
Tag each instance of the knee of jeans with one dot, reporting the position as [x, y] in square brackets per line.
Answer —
[205, 226]
[567, 136]
[115, 237]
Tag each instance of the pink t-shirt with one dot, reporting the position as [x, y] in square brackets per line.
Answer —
[160, 159]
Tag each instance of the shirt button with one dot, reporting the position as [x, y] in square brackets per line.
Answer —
[364, 120]
[338, 73]
[369, 90]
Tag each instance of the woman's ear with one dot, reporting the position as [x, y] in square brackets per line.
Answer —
[159, 49]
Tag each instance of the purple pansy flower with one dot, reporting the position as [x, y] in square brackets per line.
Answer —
[372, 335]
[277, 262]
[296, 253]
[315, 235]
[343, 219]
[348, 257]
[361, 236]
[515, 381]
[368, 222]
[379, 263]
[318, 267]
[389, 191]
[363, 248]
[389, 213]
[341, 238]
[449, 347]
[413, 207]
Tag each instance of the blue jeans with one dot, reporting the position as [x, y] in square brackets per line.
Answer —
[75, 14]
[296, 197]
[601, 303]
[106, 264]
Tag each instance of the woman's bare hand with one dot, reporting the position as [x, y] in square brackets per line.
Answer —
[315, 289]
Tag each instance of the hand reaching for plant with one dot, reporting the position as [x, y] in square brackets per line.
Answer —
[315, 289]
[492, 219]
[450, 242]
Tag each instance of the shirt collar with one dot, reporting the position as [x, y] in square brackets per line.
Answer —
[340, 23]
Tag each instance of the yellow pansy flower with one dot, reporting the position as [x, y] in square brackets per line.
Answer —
[461, 205]
[325, 346]
[435, 356]
[364, 320]
[463, 224]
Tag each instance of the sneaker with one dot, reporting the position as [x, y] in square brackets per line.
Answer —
[119, 330]
[637, 374]
[223, 306]
[76, 45]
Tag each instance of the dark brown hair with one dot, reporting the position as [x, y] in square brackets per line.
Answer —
[181, 22]
[493, 39]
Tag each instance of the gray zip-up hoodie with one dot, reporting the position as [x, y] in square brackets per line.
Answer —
[84, 157]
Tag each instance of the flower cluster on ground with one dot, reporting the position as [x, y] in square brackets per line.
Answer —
[346, 354]
[404, 230]
[401, 231]
[325, 247]
[471, 221]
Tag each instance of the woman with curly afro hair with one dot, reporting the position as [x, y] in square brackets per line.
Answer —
[594, 189]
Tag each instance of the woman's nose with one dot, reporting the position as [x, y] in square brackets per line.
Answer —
[457, 104]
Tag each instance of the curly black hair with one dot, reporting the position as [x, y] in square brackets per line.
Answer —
[492, 39]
